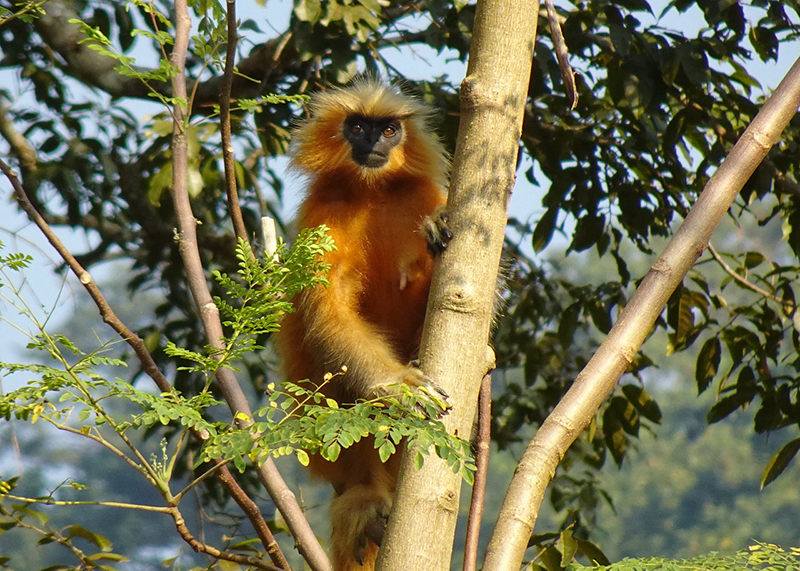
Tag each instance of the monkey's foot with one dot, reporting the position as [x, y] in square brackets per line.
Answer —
[430, 399]
[358, 519]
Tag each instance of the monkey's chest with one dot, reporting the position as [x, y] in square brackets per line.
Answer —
[395, 293]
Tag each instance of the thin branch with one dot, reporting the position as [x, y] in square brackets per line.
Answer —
[54, 535]
[103, 442]
[225, 126]
[562, 54]
[200, 547]
[253, 513]
[106, 313]
[482, 442]
[65, 503]
[730, 271]
[284, 499]
[145, 358]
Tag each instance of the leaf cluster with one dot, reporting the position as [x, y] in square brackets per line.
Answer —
[258, 295]
[302, 421]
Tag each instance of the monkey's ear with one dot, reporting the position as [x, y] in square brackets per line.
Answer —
[436, 231]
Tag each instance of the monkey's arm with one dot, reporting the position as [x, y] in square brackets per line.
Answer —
[338, 335]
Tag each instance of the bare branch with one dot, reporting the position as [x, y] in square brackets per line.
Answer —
[600, 376]
[225, 126]
[731, 272]
[482, 442]
[562, 54]
[268, 473]
[200, 547]
[253, 513]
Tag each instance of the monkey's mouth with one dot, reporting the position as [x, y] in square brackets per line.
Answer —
[371, 160]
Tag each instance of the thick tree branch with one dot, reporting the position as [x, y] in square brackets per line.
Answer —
[19, 144]
[600, 376]
[460, 307]
[97, 70]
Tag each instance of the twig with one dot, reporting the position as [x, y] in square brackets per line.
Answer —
[225, 126]
[730, 271]
[52, 502]
[482, 466]
[562, 54]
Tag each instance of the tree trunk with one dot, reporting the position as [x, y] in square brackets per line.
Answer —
[454, 344]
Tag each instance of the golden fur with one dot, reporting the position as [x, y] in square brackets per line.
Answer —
[370, 318]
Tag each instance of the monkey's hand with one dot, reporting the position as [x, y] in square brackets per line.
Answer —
[436, 231]
[429, 399]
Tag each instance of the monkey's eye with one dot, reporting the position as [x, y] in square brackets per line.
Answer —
[356, 128]
[389, 131]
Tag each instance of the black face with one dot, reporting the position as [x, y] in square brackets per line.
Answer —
[372, 139]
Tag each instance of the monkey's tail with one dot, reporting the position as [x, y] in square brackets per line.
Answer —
[351, 513]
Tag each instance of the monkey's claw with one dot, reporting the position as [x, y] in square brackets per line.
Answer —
[436, 231]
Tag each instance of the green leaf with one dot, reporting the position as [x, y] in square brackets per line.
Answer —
[308, 10]
[79, 531]
[643, 402]
[780, 461]
[727, 405]
[592, 552]
[386, 450]
[543, 232]
[569, 547]
[707, 363]
[588, 230]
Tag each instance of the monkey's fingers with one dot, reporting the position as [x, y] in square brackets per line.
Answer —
[436, 403]
[437, 400]
[436, 231]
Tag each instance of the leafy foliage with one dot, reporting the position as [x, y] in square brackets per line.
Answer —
[761, 556]
[658, 110]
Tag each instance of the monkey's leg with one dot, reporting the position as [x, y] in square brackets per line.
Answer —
[355, 515]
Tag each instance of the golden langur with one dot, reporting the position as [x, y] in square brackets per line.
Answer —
[376, 179]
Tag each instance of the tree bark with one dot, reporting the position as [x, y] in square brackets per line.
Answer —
[454, 348]
[599, 377]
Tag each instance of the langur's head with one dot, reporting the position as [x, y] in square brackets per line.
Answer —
[370, 131]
